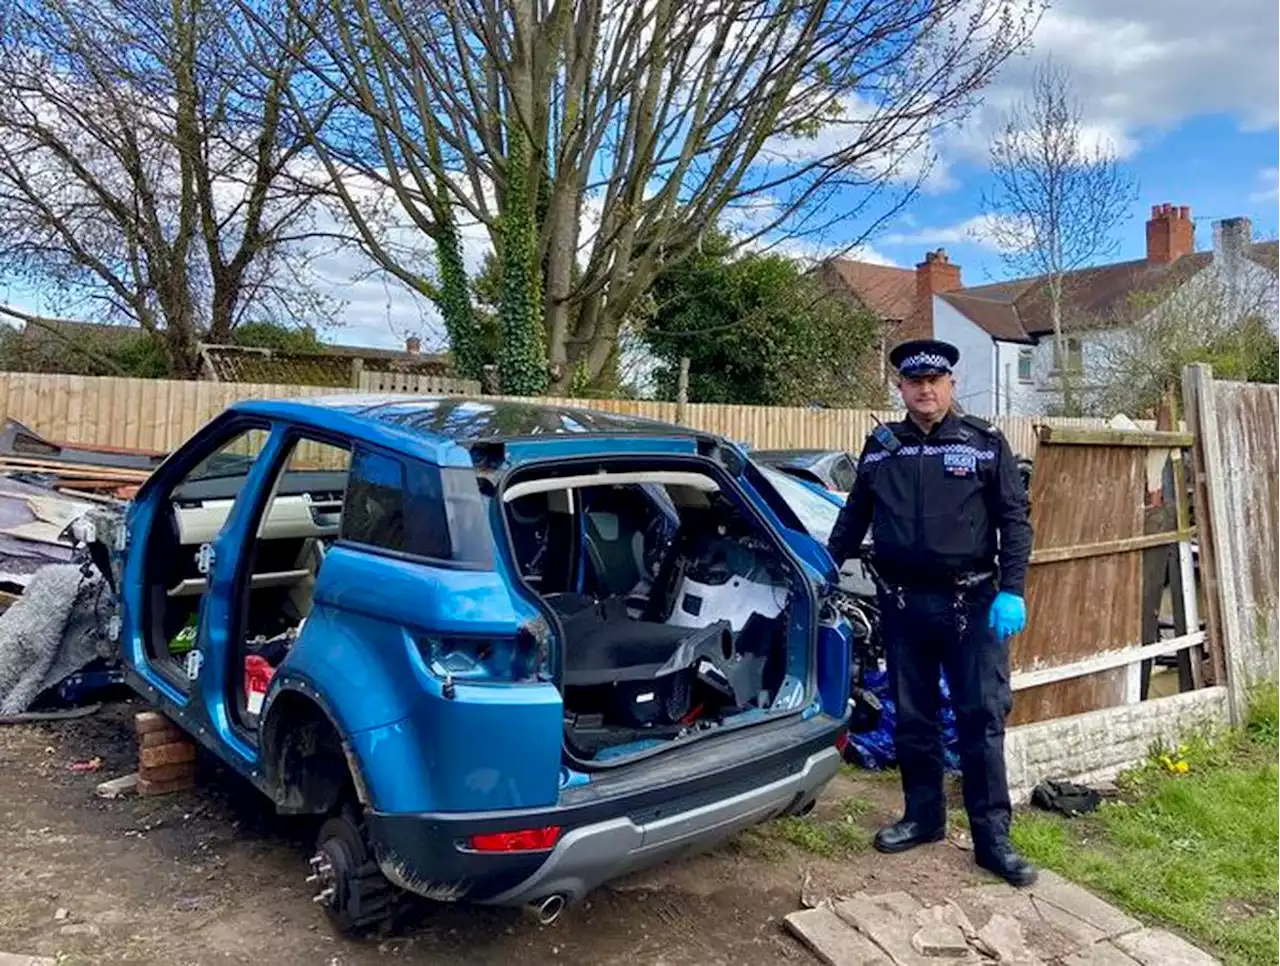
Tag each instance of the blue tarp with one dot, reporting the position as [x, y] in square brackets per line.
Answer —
[874, 749]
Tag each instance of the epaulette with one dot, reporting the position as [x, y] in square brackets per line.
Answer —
[980, 424]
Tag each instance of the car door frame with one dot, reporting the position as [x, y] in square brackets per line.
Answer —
[203, 704]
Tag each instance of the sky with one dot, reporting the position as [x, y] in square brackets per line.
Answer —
[1187, 93]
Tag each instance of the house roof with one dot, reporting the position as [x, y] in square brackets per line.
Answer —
[887, 291]
[1020, 310]
[998, 318]
[226, 363]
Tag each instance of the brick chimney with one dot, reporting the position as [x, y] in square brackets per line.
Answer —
[936, 274]
[413, 345]
[1170, 234]
[933, 276]
[1232, 237]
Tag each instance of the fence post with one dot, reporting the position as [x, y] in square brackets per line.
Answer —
[682, 391]
[357, 369]
[1216, 564]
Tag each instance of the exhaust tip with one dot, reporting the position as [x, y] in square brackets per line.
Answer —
[549, 909]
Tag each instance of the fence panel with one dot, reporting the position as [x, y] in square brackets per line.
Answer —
[157, 414]
[1086, 591]
[1236, 457]
[416, 383]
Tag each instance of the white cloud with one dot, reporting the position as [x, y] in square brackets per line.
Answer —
[907, 157]
[987, 231]
[1137, 65]
[810, 252]
[1270, 178]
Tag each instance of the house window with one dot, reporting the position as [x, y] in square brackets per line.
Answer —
[1024, 365]
[1075, 355]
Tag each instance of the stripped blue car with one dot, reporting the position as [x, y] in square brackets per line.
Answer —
[505, 652]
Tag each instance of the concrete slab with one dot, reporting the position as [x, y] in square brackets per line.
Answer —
[899, 903]
[1080, 932]
[1103, 954]
[1082, 904]
[892, 933]
[16, 959]
[940, 940]
[1156, 947]
[1049, 931]
[1002, 937]
[831, 939]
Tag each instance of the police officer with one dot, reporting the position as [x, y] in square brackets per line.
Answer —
[951, 542]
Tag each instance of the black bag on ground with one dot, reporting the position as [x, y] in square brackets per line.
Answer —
[1064, 797]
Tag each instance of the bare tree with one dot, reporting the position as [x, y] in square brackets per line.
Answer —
[1223, 314]
[596, 139]
[146, 173]
[1057, 199]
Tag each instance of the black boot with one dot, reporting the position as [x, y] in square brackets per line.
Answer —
[1001, 859]
[907, 835]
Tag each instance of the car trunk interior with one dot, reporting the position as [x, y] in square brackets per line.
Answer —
[674, 604]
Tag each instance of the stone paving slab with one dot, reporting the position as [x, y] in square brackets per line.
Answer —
[1061, 925]
[831, 940]
[1082, 904]
[891, 932]
[14, 959]
[1081, 932]
[1156, 947]
[1103, 954]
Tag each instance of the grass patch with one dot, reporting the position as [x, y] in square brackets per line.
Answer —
[1192, 842]
[834, 838]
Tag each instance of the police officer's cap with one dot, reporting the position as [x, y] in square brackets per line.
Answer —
[924, 357]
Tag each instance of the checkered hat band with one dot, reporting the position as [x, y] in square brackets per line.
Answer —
[922, 360]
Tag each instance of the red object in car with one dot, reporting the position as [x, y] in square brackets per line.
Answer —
[257, 678]
[525, 840]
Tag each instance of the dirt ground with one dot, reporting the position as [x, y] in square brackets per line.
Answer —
[214, 876]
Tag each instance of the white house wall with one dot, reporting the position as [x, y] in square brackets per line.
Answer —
[975, 373]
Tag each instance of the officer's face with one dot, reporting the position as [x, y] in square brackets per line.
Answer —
[928, 397]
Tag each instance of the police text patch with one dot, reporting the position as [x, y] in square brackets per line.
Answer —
[960, 464]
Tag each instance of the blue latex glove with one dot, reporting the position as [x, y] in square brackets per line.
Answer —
[1008, 615]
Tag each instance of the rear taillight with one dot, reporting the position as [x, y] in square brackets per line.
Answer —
[516, 658]
[525, 840]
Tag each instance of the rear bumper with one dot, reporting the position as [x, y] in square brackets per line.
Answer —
[636, 818]
[595, 854]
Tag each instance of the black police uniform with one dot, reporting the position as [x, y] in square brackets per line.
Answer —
[950, 529]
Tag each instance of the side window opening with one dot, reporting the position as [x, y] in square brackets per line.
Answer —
[408, 507]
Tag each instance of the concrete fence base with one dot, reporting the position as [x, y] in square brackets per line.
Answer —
[1097, 746]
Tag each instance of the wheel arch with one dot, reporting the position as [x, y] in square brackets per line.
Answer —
[308, 765]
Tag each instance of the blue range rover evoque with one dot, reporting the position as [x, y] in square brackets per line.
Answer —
[506, 651]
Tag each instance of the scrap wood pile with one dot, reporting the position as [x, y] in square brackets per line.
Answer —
[95, 473]
[55, 645]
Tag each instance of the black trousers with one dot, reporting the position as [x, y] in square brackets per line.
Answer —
[947, 630]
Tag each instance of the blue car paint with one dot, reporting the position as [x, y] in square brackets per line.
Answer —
[490, 746]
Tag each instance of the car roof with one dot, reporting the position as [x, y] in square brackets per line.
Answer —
[458, 419]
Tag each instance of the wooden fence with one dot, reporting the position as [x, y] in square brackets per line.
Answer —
[412, 382]
[1238, 489]
[157, 414]
[1087, 640]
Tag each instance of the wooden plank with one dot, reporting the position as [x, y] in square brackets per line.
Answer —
[1025, 680]
[1072, 436]
[1213, 522]
[1127, 545]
